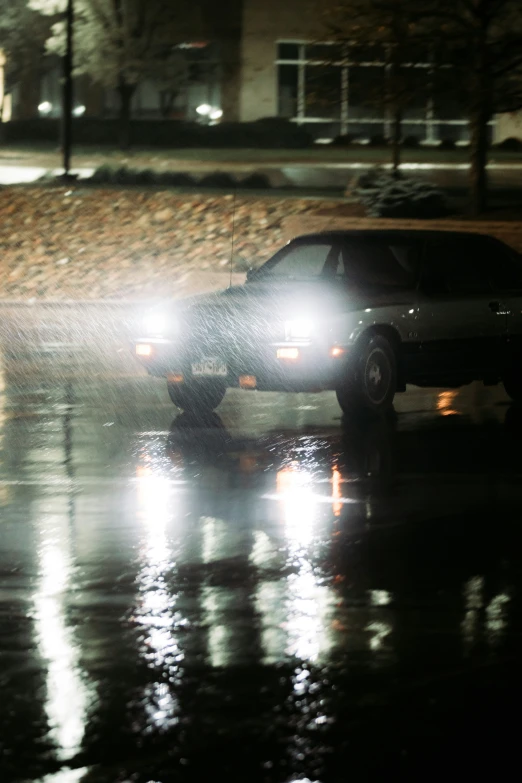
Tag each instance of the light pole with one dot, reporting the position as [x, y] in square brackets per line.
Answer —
[67, 95]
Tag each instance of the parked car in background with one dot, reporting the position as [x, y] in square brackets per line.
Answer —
[360, 312]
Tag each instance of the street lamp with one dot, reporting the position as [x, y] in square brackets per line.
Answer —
[67, 95]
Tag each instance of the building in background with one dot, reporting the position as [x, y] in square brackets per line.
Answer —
[202, 85]
[290, 69]
[265, 58]
[212, 77]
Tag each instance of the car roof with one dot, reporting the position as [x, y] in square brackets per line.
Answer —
[405, 233]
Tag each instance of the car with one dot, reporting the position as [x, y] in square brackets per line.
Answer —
[359, 312]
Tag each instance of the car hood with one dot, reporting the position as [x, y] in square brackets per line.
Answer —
[286, 299]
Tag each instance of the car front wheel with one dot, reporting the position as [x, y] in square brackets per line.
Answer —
[513, 385]
[201, 397]
[371, 379]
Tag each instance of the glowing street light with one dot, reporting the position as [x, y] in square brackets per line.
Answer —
[204, 109]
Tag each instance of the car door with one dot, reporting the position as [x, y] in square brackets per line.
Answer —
[506, 281]
[379, 274]
[461, 325]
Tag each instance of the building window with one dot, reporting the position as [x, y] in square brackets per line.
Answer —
[335, 89]
[322, 91]
[288, 90]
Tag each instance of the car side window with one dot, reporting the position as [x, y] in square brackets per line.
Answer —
[379, 264]
[455, 267]
[505, 268]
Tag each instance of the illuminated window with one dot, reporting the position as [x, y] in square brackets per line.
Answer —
[335, 89]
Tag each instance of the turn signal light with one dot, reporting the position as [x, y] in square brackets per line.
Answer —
[290, 354]
[337, 351]
[143, 349]
[175, 378]
[247, 381]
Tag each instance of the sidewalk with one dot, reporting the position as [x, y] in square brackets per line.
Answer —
[48, 156]
[326, 169]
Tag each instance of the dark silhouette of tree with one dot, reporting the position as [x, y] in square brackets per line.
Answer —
[23, 33]
[120, 43]
[482, 41]
[395, 32]
[476, 50]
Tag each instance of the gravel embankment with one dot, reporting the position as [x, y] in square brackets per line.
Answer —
[86, 243]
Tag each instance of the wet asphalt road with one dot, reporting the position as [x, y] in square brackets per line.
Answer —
[270, 595]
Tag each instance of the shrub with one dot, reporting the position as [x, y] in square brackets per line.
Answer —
[510, 145]
[265, 134]
[125, 176]
[218, 179]
[378, 140]
[174, 179]
[279, 132]
[411, 141]
[344, 140]
[108, 175]
[255, 181]
[384, 195]
[447, 144]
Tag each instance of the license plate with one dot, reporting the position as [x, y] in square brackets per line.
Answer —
[209, 367]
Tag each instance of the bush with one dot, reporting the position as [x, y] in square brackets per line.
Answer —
[174, 179]
[378, 140]
[447, 144]
[255, 182]
[344, 140]
[267, 133]
[107, 175]
[384, 195]
[510, 145]
[219, 179]
[411, 142]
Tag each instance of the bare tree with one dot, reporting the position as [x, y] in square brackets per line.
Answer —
[23, 33]
[172, 78]
[119, 43]
[482, 41]
[395, 31]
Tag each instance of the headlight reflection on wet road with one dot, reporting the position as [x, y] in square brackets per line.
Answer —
[296, 612]
[157, 506]
[234, 598]
[67, 695]
[4, 490]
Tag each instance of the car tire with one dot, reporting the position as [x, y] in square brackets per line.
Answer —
[197, 398]
[513, 385]
[370, 382]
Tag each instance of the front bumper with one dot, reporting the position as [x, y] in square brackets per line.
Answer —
[315, 369]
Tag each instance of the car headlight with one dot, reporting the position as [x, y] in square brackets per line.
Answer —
[159, 323]
[299, 329]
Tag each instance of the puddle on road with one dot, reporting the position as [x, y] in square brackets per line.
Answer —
[263, 593]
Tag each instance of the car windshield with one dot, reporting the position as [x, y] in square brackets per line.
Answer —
[362, 263]
[301, 261]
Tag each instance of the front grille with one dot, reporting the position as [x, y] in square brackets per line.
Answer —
[228, 333]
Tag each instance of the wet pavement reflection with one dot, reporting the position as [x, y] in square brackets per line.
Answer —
[270, 594]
